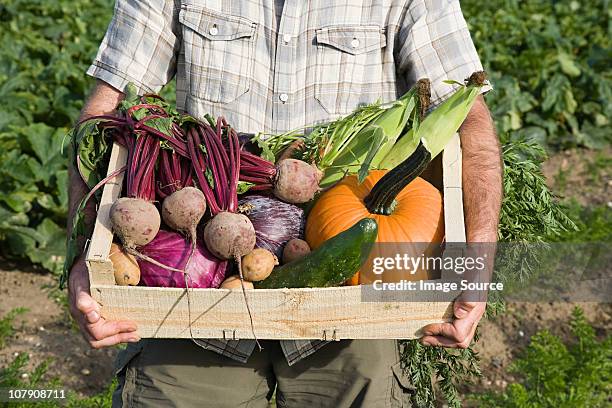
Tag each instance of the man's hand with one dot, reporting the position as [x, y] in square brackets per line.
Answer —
[86, 311]
[458, 333]
[482, 196]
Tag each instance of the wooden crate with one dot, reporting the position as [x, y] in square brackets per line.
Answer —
[309, 313]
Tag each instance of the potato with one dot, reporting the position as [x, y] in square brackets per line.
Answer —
[257, 265]
[295, 249]
[127, 271]
[233, 282]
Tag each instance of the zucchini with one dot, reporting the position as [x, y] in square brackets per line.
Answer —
[338, 259]
[381, 199]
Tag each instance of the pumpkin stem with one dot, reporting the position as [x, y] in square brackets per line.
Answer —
[381, 199]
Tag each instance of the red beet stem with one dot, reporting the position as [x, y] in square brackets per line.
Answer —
[107, 120]
[214, 163]
[234, 148]
[255, 180]
[261, 187]
[177, 145]
[199, 167]
[257, 170]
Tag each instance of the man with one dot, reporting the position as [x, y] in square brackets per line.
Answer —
[273, 66]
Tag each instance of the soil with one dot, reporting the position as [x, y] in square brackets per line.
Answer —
[582, 175]
[46, 331]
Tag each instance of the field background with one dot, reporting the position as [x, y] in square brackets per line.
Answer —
[549, 62]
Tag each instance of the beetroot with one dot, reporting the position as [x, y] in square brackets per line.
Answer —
[135, 221]
[134, 218]
[296, 182]
[293, 181]
[229, 235]
[183, 210]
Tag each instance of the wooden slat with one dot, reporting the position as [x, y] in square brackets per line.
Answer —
[277, 313]
[453, 194]
[100, 268]
[453, 205]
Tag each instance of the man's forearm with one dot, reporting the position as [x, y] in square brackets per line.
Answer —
[482, 196]
[482, 174]
[102, 100]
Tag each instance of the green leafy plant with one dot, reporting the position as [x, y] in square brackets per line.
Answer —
[47, 47]
[6, 325]
[554, 373]
[549, 64]
[10, 377]
[530, 214]
[593, 224]
[530, 211]
[601, 164]
[427, 366]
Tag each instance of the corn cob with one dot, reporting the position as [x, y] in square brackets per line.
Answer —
[436, 130]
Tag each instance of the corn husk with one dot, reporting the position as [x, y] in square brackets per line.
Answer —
[436, 130]
[371, 142]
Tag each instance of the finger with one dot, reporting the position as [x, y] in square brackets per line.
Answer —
[447, 330]
[115, 339]
[86, 304]
[104, 329]
[463, 308]
[440, 341]
[85, 309]
[458, 330]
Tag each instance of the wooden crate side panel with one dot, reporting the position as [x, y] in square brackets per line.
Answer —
[277, 313]
[100, 268]
[453, 193]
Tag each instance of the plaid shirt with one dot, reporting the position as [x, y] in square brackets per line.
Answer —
[318, 61]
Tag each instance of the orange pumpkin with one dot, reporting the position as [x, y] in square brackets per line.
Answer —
[407, 209]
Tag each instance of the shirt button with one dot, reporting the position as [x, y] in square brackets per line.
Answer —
[283, 97]
[355, 43]
[213, 30]
[287, 38]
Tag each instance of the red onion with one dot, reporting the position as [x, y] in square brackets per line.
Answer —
[275, 221]
[172, 249]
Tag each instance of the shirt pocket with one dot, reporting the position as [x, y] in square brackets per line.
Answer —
[219, 54]
[349, 66]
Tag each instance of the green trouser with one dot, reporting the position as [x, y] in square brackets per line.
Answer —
[178, 373]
